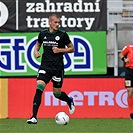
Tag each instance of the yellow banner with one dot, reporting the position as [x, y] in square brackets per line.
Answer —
[3, 98]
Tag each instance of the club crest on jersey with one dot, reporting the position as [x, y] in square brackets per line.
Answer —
[45, 37]
[128, 82]
[57, 38]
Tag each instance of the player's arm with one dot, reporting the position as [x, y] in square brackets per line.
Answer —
[36, 50]
[68, 49]
[123, 58]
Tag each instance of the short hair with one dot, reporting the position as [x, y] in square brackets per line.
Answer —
[54, 15]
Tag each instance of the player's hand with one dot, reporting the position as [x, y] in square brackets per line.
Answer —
[127, 60]
[56, 49]
[37, 54]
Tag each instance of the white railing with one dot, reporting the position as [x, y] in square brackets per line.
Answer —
[119, 11]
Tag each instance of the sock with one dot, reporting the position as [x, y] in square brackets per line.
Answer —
[130, 104]
[63, 96]
[36, 102]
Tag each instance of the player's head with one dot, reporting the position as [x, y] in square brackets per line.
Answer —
[54, 22]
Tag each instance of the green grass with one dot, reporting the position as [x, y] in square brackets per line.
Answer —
[74, 126]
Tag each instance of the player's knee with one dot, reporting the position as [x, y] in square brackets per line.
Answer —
[40, 87]
[57, 94]
[57, 84]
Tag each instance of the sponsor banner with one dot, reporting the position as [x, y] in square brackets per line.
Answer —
[93, 97]
[7, 15]
[3, 98]
[81, 15]
[17, 54]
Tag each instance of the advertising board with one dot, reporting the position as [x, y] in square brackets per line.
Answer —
[17, 54]
[93, 97]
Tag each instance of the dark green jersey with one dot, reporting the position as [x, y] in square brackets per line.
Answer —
[51, 60]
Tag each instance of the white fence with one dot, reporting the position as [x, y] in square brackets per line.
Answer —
[119, 18]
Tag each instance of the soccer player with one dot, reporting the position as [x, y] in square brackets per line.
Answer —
[127, 56]
[55, 43]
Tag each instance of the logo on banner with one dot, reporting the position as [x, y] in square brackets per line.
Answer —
[78, 6]
[17, 55]
[75, 15]
[102, 98]
[4, 13]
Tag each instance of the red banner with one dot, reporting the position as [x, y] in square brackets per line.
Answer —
[94, 98]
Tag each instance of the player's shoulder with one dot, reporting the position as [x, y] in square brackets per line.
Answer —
[61, 30]
[44, 30]
[130, 45]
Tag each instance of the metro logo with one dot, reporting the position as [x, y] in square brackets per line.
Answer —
[17, 55]
[103, 98]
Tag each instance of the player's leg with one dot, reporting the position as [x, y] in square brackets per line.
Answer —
[42, 79]
[130, 101]
[36, 101]
[61, 95]
[129, 86]
[37, 98]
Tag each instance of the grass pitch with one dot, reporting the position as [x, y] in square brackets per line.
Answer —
[74, 126]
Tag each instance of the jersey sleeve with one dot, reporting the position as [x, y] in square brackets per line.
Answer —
[39, 38]
[67, 40]
[125, 50]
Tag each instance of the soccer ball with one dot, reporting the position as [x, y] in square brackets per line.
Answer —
[61, 118]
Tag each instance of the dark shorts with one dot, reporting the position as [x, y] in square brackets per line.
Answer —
[56, 76]
[129, 78]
